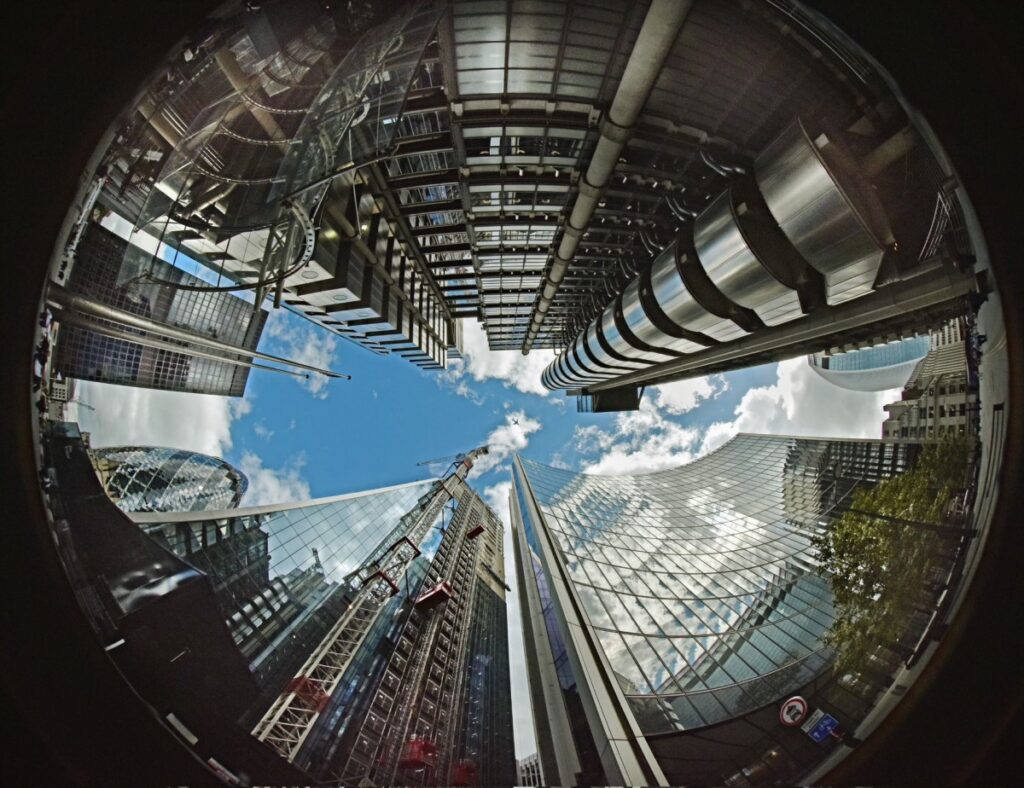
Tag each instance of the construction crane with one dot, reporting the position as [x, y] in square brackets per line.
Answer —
[451, 460]
[291, 717]
[437, 460]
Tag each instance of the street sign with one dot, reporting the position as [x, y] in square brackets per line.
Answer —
[793, 711]
[820, 726]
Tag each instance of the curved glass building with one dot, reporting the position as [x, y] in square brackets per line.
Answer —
[157, 479]
[878, 368]
[674, 611]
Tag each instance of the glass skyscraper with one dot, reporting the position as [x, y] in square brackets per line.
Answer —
[667, 615]
[157, 479]
[424, 697]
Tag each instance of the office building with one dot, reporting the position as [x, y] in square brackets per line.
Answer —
[373, 625]
[883, 365]
[107, 352]
[668, 615]
[60, 393]
[875, 368]
[653, 190]
[156, 479]
[940, 399]
[528, 770]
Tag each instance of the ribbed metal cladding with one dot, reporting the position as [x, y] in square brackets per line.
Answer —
[597, 347]
[828, 221]
[735, 269]
[834, 222]
[679, 305]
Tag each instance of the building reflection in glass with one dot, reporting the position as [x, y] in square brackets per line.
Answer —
[699, 591]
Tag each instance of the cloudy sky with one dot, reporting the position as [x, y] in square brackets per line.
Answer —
[297, 439]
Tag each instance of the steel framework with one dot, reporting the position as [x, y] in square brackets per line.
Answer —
[289, 720]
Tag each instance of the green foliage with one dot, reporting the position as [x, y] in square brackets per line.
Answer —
[879, 568]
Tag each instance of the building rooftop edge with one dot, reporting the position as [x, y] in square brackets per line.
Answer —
[164, 517]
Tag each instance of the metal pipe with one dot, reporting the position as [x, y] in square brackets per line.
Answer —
[69, 318]
[214, 194]
[240, 82]
[62, 297]
[897, 146]
[152, 115]
[659, 32]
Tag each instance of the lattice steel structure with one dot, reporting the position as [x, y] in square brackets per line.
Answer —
[108, 352]
[621, 183]
[156, 479]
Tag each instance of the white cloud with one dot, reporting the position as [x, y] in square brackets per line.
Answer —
[270, 485]
[125, 415]
[304, 343]
[496, 497]
[262, 431]
[802, 403]
[463, 390]
[685, 395]
[509, 366]
[639, 441]
[504, 441]
[558, 461]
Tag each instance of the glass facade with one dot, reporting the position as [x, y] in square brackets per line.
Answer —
[88, 355]
[558, 653]
[701, 583]
[259, 558]
[155, 479]
[285, 578]
[872, 369]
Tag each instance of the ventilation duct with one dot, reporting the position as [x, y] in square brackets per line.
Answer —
[798, 232]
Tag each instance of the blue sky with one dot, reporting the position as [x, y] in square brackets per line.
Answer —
[297, 439]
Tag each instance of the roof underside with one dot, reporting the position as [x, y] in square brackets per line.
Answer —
[494, 112]
[526, 86]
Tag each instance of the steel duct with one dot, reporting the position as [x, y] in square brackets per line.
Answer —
[659, 32]
[801, 231]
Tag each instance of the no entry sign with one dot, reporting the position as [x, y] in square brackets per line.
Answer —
[793, 711]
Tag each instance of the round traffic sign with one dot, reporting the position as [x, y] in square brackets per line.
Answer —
[793, 711]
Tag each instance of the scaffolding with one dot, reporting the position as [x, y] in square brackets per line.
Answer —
[288, 722]
[410, 732]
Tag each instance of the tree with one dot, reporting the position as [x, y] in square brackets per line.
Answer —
[883, 554]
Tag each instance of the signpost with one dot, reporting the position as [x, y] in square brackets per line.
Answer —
[793, 711]
[820, 726]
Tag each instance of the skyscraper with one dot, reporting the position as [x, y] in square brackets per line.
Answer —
[529, 772]
[156, 479]
[374, 625]
[105, 352]
[667, 615]
[940, 398]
